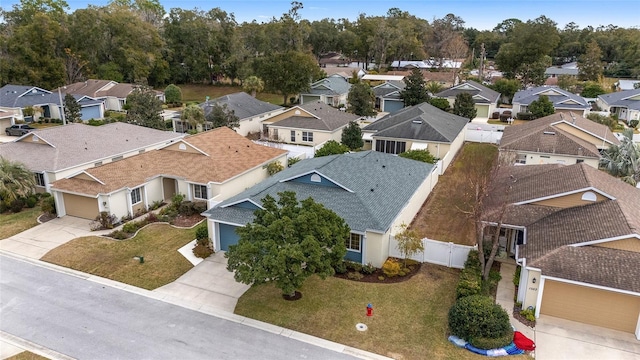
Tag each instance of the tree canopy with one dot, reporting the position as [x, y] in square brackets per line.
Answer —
[415, 91]
[287, 242]
[541, 107]
[361, 99]
[16, 181]
[465, 106]
[419, 155]
[352, 136]
[221, 115]
[331, 147]
[623, 160]
[71, 109]
[144, 108]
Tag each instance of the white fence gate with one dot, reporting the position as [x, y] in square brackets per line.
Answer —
[437, 252]
[484, 133]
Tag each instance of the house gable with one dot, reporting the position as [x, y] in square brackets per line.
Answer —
[86, 176]
[634, 97]
[183, 146]
[245, 204]
[295, 111]
[629, 244]
[315, 178]
[580, 133]
[466, 86]
[570, 102]
[34, 139]
[551, 92]
[570, 199]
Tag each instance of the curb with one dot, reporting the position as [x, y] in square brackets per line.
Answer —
[205, 309]
[32, 347]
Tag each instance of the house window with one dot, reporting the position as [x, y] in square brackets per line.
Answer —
[200, 191]
[307, 136]
[135, 196]
[353, 242]
[578, 161]
[293, 135]
[391, 147]
[39, 179]
[521, 159]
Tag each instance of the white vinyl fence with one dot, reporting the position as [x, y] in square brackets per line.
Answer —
[436, 252]
[484, 133]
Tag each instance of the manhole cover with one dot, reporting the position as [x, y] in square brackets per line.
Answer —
[361, 327]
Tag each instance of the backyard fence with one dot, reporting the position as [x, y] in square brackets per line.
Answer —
[484, 133]
[436, 252]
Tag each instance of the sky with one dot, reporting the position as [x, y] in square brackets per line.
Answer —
[479, 14]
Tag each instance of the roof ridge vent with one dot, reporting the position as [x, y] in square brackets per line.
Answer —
[549, 132]
[417, 121]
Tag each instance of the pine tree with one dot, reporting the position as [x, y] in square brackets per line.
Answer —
[71, 109]
[361, 99]
[465, 106]
[352, 136]
[415, 92]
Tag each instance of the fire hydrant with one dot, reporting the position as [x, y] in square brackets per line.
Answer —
[369, 310]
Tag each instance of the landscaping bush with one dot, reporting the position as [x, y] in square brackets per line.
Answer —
[186, 208]
[292, 160]
[131, 227]
[119, 235]
[391, 268]
[495, 115]
[341, 268]
[489, 343]
[104, 221]
[525, 116]
[529, 314]
[634, 123]
[31, 201]
[478, 317]
[151, 218]
[357, 267]
[202, 235]
[368, 269]
[199, 207]
[48, 205]
[516, 276]
[202, 251]
[274, 168]
[470, 282]
[354, 275]
[16, 205]
[156, 205]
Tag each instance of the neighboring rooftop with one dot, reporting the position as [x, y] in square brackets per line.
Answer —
[480, 93]
[332, 85]
[20, 96]
[560, 98]
[242, 104]
[62, 147]
[629, 99]
[362, 182]
[326, 118]
[419, 122]
[215, 156]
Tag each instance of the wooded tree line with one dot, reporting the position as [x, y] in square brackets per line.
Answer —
[138, 41]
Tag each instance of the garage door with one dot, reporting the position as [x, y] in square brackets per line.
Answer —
[4, 123]
[591, 306]
[393, 105]
[81, 206]
[482, 111]
[304, 99]
[228, 236]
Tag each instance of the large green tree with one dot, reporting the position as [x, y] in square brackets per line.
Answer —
[221, 115]
[288, 73]
[352, 136]
[419, 155]
[623, 160]
[507, 88]
[287, 242]
[173, 94]
[253, 85]
[16, 181]
[331, 147]
[541, 107]
[361, 99]
[465, 106]
[194, 115]
[590, 63]
[415, 91]
[144, 108]
[71, 109]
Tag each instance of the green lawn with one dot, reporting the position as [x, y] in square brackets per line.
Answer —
[114, 259]
[11, 224]
[409, 321]
[197, 92]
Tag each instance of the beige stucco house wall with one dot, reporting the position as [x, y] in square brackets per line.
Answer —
[538, 158]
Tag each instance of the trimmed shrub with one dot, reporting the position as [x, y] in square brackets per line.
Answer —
[31, 201]
[48, 204]
[525, 116]
[202, 235]
[341, 268]
[274, 168]
[354, 275]
[202, 251]
[478, 317]
[516, 276]
[368, 269]
[634, 123]
[119, 235]
[357, 267]
[489, 343]
[156, 205]
[292, 160]
[131, 227]
[151, 218]
[186, 208]
[470, 282]
[16, 205]
[529, 314]
[391, 268]
[106, 220]
[199, 207]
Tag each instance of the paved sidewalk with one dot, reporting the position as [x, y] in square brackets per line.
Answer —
[505, 295]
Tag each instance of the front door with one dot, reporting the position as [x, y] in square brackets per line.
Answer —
[170, 188]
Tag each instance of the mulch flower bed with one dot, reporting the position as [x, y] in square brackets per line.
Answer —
[522, 319]
[374, 277]
[46, 217]
[187, 221]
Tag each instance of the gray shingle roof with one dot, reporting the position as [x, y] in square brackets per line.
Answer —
[526, 97]
[22, 96]
[388, 87]
[328, 118]
[332, 85]
[419, 122]
[546, 139]
[615, 268]
[381, 185]
[491, 95]
[620, 99]
[243, 105]
[76, 144]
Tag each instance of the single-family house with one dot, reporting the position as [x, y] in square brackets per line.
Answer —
[46, 104]
[622, 85]
[569, 69]
[563, 101]
[560, 138]
[332, 90]
[210, 166]
[445, 78]
[311, 124]
[417, 127]
[7, 118]
[388, 96]
[485, 99]
[426, 64]
[624, 104]
[575, 231]
[373, 192]
[113, 94]
[333, 59]
[249, 110]
[56, 152]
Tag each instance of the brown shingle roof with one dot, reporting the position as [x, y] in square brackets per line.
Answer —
[227, 155]
[329, 118]
[547, 140]
[594, 265]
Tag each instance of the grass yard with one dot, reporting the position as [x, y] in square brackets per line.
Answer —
[440, 217]
[11, 224]
[199, 92]
[409, 318]
[114, 259]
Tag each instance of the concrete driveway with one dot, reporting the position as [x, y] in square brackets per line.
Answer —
[34, 243]
[207, 284]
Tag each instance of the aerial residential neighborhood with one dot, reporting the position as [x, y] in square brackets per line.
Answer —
[395, 184]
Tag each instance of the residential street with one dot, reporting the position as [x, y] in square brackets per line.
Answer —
[88, 320]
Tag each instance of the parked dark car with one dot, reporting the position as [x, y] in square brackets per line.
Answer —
[18, 129]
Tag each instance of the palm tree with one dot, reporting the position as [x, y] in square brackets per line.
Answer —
[623, 160]
[194, 115]
[253, 85]
[16, 180]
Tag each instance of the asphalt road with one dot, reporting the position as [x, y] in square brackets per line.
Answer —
[87, 320]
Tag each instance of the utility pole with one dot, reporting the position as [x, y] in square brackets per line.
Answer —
[481, 73]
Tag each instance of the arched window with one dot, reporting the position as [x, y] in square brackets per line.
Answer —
[589, 196]
[316, 178]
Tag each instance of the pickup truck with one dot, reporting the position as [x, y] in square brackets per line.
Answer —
[18, 130]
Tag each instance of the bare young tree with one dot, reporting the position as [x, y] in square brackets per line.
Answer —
[455, 49]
